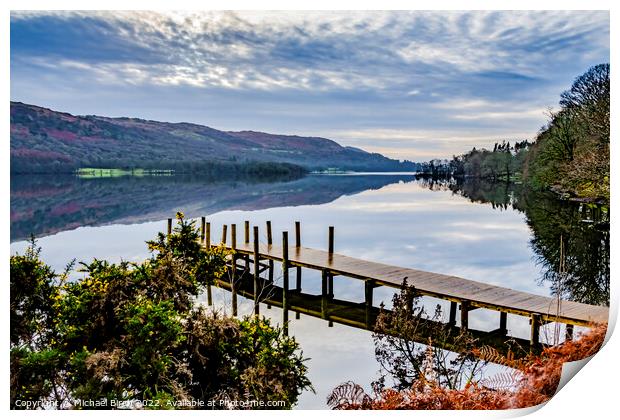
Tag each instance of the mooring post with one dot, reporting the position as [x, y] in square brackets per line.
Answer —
[569, 332]
[208, 235]
[269, 243]
[464, 315]
[203, 220]
[224, 232]
[256, 271]
[169, 226]
[452, 319]
[285, 281]
[331, 241]
[269, 237]
[503, 323]
[535, 323]
[297, 246]
[330, 276]
[246, 238]
[233, 240]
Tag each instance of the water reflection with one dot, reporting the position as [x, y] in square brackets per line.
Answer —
[570, 239]
[47, 205]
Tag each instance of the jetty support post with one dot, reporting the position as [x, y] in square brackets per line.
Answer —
[285, 284]
[569, 332]
[452, 319]
[256, 272]
[369, 286]
[169, 226]
[208, 235]
[269, 243]
[246, 239]
[324, 275]
[233, 271]
[330, 276]
[503, 323]
[203, 221]
[298, 246]
[465, 306]
[535, 323]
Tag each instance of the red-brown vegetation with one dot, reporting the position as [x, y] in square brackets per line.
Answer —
[537, 383]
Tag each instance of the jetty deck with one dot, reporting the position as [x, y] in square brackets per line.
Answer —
[464, 295]
[451, 288]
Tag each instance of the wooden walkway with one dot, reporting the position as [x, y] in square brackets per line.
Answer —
[455, 289]
[462, 293]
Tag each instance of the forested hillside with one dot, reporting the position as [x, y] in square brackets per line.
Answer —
[43, 140]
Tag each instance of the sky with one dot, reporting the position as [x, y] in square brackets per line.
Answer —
[411, 85]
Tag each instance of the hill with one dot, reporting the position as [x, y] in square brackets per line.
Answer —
[43, 140]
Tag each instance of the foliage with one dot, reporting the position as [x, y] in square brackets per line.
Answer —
[571, 153]
[131, 332]
[398, 350]
[536, 384]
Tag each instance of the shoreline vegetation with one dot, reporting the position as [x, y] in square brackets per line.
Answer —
[570, 155]
[132, 333]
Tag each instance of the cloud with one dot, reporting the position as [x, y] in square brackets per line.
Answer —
[310, 72]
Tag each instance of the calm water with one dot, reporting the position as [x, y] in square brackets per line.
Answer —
[497, 235]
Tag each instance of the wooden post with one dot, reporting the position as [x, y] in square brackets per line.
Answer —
[285, 282]
[246, 238]
[269, 237]
[324, 293]
[330, 285]
[169, 226]
[209, 296]
[234, 301]
[569, 332]
[269, 243]
[256, 271]
[297, 315]
[503, 323]
[452, 320]
[285, 263]
[464, 315]
[331, 240]
[224, 229]
[233, 242]
[208, 235]
[203, 220]
[535, 323]
[298, 245]
[368, 291]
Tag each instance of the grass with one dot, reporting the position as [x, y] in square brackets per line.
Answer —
[87, 173]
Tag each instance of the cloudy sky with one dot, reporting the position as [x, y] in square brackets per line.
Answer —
[415, 85]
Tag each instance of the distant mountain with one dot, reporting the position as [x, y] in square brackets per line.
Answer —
[43, 140]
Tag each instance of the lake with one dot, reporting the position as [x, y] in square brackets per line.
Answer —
[497, 234]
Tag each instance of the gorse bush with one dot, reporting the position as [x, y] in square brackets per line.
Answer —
[131, 332]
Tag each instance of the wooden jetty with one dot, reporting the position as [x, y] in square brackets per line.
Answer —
[464, 295]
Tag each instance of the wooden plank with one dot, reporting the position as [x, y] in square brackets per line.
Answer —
[452, 288]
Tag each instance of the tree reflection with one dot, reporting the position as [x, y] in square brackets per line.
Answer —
[570, 239]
